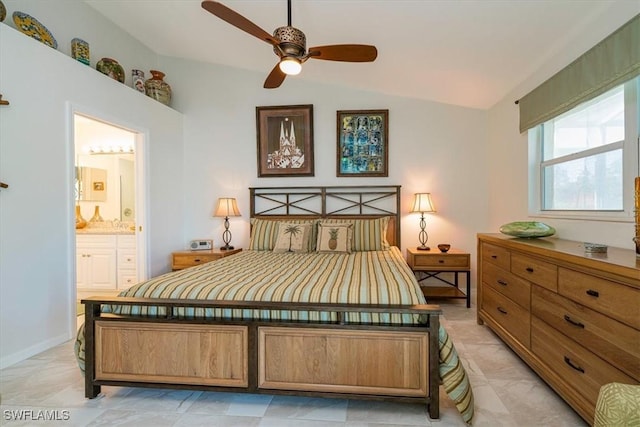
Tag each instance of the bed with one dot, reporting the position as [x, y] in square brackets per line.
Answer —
[321, 303]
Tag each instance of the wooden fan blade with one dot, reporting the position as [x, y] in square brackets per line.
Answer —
[239, 21]
[344, 52]
[275, 78]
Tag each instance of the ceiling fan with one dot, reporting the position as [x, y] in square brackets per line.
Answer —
[290, 44]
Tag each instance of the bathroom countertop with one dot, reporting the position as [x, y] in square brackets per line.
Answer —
[112, 230]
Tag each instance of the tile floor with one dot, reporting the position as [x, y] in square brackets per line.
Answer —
[507, 393]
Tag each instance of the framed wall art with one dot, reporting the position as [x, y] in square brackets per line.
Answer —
[363, 143]
[285, 140]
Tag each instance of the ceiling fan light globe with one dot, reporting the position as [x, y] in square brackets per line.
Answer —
[290, 66]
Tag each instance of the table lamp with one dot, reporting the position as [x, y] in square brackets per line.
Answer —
[422, 203]
[226, 207]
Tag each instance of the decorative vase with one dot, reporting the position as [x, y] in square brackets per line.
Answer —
[96, 216]
[137, 80]
[111, 68]
[80, 221]
[80, 51]
[157, 88]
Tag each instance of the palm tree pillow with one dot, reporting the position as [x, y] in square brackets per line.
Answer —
[292, 237]
[334, 237]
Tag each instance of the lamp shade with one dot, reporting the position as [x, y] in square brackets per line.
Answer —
[290, 66]
[422, 203]
[226, 207]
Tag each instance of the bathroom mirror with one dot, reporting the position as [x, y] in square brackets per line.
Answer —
[91, 184]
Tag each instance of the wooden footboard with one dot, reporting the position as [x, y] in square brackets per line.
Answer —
[273, 357]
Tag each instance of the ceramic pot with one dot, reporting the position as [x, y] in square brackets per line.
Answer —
[111, 68]
[137, 80]
[157, 88]
[80, 221]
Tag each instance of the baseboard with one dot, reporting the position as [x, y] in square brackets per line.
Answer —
[19, 356]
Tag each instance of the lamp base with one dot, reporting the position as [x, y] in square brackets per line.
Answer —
[226, 248]
[423, 248]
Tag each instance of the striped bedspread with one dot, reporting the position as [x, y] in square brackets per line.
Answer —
[371, 277]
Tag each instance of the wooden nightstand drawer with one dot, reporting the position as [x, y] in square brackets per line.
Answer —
[434, 259]
[186, 259]
[538, 271]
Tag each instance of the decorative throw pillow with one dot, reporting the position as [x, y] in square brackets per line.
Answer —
[263, 234]
[292, 237]
[368, 234]
[334, 238]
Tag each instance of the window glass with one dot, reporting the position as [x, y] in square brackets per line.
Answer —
[588, 183]
[582, 156]
[593, 124]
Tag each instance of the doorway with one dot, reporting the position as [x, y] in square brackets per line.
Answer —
[110, 252]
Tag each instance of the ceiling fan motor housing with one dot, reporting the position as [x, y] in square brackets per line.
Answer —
[292, 41]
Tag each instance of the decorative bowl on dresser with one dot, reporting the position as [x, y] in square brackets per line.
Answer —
[573, 317]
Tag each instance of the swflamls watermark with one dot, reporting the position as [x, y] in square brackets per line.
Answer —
[36, 415]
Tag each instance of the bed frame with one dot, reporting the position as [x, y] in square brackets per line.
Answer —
[336, 359]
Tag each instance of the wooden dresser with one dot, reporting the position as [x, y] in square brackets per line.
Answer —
[573, 317]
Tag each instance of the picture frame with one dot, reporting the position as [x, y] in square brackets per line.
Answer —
[285, 140]
[362, 143]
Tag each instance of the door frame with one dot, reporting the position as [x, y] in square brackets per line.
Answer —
[141, 193]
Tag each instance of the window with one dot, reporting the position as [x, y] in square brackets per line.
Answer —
[584, 160]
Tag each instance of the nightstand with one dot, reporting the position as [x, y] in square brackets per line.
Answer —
[431, 263]
[186, 259]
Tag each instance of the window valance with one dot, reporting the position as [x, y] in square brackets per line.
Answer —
[611, 62]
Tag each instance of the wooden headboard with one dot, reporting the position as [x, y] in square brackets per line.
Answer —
[348, 202]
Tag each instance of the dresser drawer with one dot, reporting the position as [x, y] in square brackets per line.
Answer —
[496, 255]
[508, 314]
[575, 364]
[533, 269]
[609, 339]
[506, 283]
[613, 299]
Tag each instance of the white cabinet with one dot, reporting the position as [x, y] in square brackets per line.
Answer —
[106, 261]
[127, 272]
[96, 261]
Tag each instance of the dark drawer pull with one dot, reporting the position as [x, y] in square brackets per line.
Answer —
[593, 293]
[494, 256]
[441, 261]
[570, 363]
[502, 310]
[196, 260]
[573, 322]
[529, 269]
[502, 282]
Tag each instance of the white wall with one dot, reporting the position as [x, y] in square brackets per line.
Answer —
[507, 148]
[37, 263]
[433, 148]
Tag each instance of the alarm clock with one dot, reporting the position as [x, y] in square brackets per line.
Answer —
[201, 245]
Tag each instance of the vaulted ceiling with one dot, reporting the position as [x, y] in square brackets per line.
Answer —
[463, 52]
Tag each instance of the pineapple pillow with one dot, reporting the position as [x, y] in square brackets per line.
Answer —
[334, 238]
